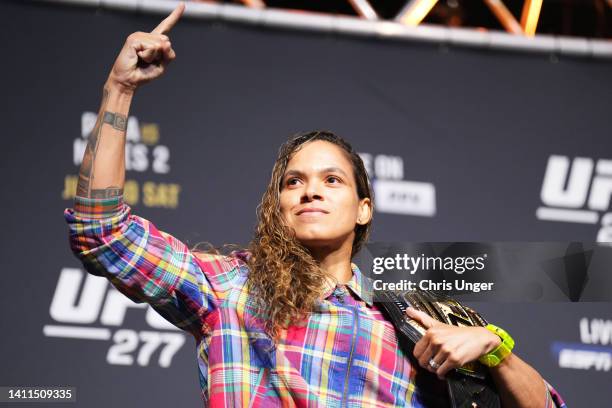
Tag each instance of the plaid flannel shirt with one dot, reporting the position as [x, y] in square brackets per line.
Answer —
[345, 354]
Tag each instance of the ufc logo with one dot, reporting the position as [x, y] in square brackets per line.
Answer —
[569, 186]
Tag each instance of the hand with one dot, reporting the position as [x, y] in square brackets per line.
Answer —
[144, 56]
[449, 346]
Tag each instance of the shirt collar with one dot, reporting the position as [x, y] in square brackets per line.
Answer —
[360, 285]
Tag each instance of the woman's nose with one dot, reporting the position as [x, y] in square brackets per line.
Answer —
[312, 192]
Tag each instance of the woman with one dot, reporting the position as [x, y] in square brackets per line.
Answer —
[290, 321]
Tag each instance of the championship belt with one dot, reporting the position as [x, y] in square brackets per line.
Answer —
[469, 386]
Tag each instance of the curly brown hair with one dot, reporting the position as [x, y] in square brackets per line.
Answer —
[284, 278]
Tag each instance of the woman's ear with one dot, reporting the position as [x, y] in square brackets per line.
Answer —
[364, 214]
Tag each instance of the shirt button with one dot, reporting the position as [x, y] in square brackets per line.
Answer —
[339, 293]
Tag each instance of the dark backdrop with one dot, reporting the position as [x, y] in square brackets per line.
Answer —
[475, 128]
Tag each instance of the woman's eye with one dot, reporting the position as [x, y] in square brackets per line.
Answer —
[333, 179]
[292, 181]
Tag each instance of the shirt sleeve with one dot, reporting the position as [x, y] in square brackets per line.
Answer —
[553, 398]
[146, 264]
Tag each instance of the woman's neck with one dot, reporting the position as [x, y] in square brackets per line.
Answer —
[335, 263]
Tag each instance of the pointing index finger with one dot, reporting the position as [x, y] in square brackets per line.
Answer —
[166, 25]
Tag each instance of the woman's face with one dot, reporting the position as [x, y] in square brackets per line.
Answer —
[318, 196]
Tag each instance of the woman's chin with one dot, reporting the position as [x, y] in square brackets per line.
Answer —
[319, 242]
[314, 242]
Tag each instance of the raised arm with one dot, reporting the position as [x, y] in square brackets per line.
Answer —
[143, 58]
[141, 261]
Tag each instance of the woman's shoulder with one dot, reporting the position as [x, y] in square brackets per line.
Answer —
[214, 263]
[225, 273]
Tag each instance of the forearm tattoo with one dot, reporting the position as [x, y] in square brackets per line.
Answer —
[116, 120]
[108, 192]
[86, 173]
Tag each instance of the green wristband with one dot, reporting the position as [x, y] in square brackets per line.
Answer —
[497, 355]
